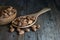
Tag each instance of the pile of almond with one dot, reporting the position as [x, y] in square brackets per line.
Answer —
[23, 21]
[7, 11]
[21, 31]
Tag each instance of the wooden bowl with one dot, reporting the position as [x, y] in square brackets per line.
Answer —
[7, 20]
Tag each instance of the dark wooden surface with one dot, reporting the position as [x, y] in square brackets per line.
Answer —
[50, 21]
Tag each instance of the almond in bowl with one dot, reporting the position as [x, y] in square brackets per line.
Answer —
[7, 14]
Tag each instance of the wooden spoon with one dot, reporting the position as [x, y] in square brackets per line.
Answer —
[36, 16]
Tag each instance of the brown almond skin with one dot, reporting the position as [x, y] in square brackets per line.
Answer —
[19, 24]
[6, 15]
[34, 29]
[24, 24]
[5, 11]
[13, 11]
[29, 17]
[33, 18]
[24, 17]
[21, 32]
[38, 26]
[18, 29]
[27, 30]
[18, 19]
[12, 30]
[30, 21]
[25, 20]
[33, 26]
[15, 23]
[11, 26]
[10, 13]
[10, 8]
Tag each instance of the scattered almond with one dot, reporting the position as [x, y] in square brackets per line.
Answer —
[21, 32]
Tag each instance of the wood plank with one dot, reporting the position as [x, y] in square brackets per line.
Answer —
[45, 32]
[20, 37]
[5, 35]
[50, 26]
[30, 36]
[57, 34]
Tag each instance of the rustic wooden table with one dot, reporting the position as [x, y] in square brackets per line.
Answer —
[50, 21]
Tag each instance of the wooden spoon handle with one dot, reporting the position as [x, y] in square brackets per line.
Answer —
[42, 11]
